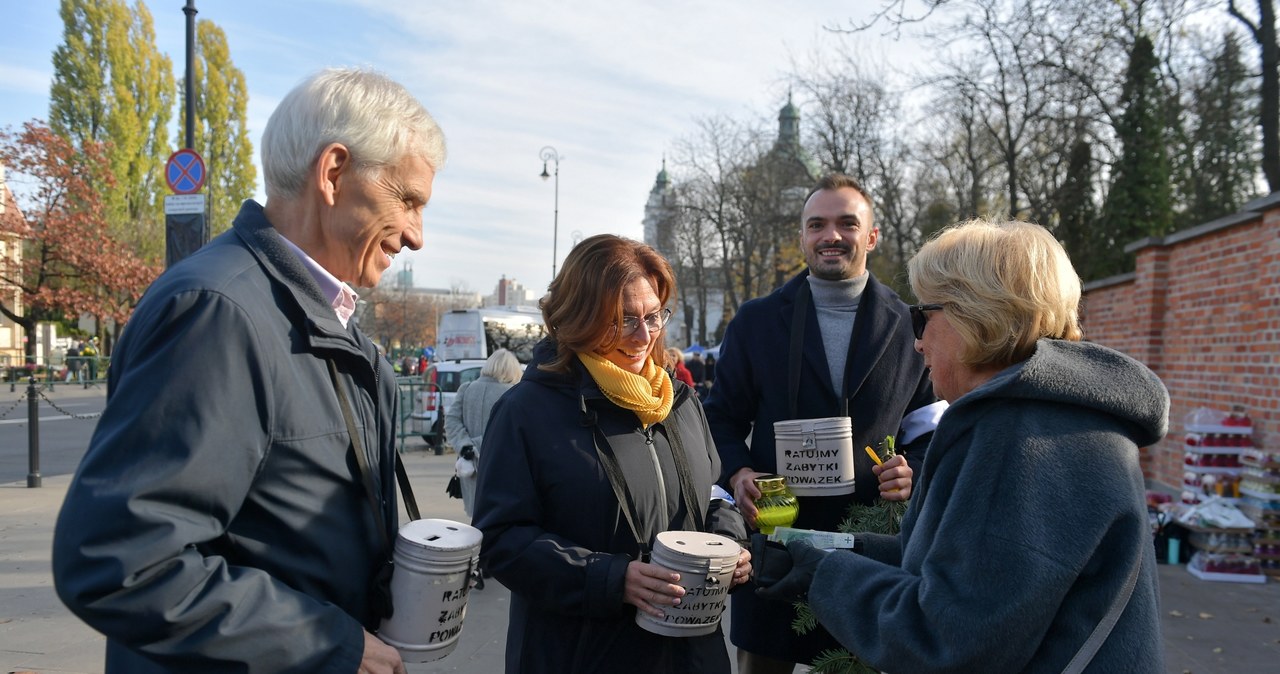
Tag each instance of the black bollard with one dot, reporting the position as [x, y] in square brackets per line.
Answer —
[33, 434]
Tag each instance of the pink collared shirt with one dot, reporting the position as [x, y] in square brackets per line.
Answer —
[340, 295]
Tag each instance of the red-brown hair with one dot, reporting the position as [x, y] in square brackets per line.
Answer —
[584, 301]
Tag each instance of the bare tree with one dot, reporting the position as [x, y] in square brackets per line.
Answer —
[713, 163]
[961, 152]
[1263, 30]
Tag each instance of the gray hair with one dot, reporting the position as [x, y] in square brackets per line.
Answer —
[503, 366]
[377, 119]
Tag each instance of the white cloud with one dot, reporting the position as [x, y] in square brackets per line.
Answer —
[20, 80]
[612, 86]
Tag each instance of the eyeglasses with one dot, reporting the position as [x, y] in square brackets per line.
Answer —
[654, 322]
[919, 319]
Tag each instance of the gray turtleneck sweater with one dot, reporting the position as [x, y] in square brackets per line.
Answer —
[837, 305]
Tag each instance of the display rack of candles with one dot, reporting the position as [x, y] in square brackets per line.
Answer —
[1212, 459]
[1221, 460]
[1260, 502]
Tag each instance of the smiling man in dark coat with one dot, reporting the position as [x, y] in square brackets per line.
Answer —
[220, 520]
[856, 345]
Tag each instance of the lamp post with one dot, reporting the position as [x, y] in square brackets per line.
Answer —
[549, 154]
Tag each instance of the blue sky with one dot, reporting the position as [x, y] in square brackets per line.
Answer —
[612, 86]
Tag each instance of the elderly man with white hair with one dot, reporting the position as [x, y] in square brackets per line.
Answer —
[235, 508]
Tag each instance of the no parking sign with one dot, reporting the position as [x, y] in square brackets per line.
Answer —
[184, 172]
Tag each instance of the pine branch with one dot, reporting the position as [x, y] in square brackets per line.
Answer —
[806, 620]
[839, 662]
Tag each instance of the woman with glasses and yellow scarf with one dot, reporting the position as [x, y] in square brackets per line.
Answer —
[585, 461]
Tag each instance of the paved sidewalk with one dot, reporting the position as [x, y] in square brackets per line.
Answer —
[1209, 628]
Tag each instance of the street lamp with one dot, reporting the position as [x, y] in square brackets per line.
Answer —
[549, 154]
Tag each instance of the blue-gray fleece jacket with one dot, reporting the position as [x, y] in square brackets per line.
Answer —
[218, 522]
[1024, 524]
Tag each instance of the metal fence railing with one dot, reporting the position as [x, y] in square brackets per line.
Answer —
[75, 370]
[416, 420]
[33, 395]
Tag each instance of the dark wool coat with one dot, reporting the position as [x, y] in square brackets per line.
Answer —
[885, 379]
[1023, 527]
[218, 521]
[554, 532]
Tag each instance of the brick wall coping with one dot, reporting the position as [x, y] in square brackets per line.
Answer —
[1225, 222]
[1109, 281]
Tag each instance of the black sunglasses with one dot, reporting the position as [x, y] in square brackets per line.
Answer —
[919, 319]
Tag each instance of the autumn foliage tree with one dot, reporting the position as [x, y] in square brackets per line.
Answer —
[70, 264]
[111, 84]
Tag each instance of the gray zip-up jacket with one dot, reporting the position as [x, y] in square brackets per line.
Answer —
[218, 521]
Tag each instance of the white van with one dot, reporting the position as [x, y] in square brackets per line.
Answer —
[442, 381]
[464, 340]
[465, 334]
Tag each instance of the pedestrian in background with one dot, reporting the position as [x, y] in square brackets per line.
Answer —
[73, 362]
[89, 357]
[1029, 524]
[675, 361]
[594, 453]
[235, 507]
[698, 372]
[832, 341]
[468, 415]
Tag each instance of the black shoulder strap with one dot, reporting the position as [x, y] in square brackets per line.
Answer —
[799, 316]
[611, 468]
[406, 490]
[366, 473]
[687, 490]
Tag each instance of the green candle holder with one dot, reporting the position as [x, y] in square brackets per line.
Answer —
[777, 506]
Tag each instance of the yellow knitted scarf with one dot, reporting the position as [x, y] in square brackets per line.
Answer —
[648, 394]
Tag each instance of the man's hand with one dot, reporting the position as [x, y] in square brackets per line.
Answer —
[895, 478]
[379, 658]
[745, 492]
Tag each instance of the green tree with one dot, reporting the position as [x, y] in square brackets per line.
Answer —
[1077, 214]
[221, 132]
[78, 97]
[112, 85]
[1138, 204]
[1222, 147]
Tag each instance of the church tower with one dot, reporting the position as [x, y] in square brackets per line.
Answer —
[659, 212]
[788, 159]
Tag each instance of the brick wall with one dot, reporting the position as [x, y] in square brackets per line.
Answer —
[1202, 310]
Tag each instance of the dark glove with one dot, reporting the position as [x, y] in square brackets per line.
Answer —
[468, 453]
[783, 573]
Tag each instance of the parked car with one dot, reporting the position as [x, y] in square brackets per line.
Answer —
[442, 381]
